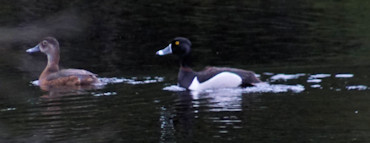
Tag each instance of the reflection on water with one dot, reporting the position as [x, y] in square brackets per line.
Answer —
[219, 111]
[55, 110]
[55, 116]
[167, 127]
[357, 87]
[104, 94]
[286, 76]
[218, 101]
[319, 76]
[133, 80]
[344, 75]
[182, 115]
[113, 80]
[258, 88]
[314, 79]
[121, 110]
[102, 83]
[223, 111]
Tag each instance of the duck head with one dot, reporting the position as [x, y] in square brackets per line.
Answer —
[48, 46]
[179, 46]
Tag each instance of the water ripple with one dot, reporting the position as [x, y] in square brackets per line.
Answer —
[114, 80]
[258, 88]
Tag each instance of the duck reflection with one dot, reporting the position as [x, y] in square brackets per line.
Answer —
[69, 88]
[65, 113]
[220, 110]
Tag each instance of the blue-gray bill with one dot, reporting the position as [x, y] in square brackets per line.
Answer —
[34, 49]
[165, 51]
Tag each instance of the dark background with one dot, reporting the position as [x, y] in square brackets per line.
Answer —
[117, 36]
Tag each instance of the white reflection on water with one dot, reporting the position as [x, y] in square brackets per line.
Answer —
[104, 94]
[316, 86]
[167, 125]
[7, 109]
[174, 88]
[315, 82]
[225, 104]
[357, 87]
[321, 75]
[286, 76]
[274, 88]
[132, 80]
[114, 80]
[344, 75]
[259, 88]
[219, 100]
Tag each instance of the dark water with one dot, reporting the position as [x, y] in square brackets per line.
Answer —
[296, 40]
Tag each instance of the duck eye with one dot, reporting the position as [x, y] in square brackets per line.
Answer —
[177, 43]
[44, 43]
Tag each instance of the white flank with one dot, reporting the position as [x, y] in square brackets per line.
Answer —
[221, 80]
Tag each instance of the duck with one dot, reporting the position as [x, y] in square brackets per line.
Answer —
[210, 77]
[51, 76]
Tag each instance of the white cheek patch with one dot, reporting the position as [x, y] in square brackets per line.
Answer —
[221, 80]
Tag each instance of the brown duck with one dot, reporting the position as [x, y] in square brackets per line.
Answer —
[52, 76]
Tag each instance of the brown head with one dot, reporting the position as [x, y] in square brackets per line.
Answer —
[48, 46]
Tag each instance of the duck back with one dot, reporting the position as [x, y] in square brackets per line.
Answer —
[248, 77]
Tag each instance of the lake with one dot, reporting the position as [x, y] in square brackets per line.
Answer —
[311, 55]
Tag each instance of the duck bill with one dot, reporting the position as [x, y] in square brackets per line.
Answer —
[165, 51]
[34, 49]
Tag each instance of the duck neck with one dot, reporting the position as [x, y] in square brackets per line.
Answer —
[51, 67]
[186, 76]
[185, 61]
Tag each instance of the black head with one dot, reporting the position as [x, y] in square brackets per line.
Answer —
[179, 46]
